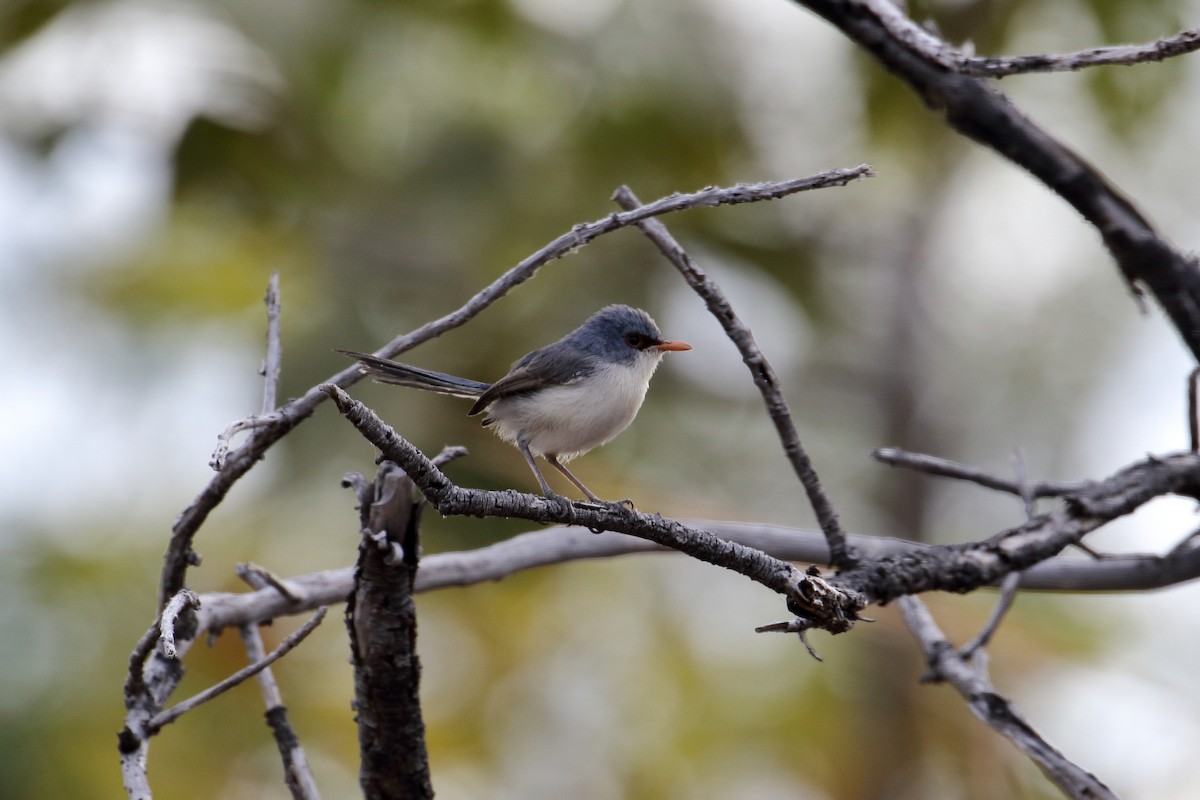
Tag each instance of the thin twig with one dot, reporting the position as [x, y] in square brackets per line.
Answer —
[260, 577]
[761, 371]
[272, 365]
[220, 455]
[179, 709]
[949, 469]
[1194, 410]
[971, 681]
[296, 772]
[1012, 581]
[902, 30]
[183, 600]
[274, 362]
[1185, 42]
[1008, 594]
[451, 452]
[1025, 483]
[255, 652]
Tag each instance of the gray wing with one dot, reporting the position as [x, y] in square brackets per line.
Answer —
[554, 365]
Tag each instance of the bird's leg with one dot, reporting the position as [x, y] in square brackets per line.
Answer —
[537, 473]
[578, 484]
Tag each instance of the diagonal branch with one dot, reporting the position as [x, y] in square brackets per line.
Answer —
[761, 371]
[977, 110]
[997, 711]
[175, 712]
[961, 568]
[296, 772]
[942, 467]
[834, 612]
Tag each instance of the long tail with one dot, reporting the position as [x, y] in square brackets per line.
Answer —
[386, 371]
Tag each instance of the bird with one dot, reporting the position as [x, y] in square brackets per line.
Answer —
[561, 400]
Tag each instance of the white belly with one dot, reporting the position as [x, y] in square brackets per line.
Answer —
[568, 420]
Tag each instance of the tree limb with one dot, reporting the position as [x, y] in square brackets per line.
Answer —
[163, 718]
[761, 372]
[977, 110]
[970, 680]
[834, 612]
[1185, 42]
[382, 622]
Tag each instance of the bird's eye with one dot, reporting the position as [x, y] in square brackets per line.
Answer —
[635, 340]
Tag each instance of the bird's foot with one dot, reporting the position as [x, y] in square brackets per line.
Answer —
[624, 505]
[561, 504]
[621, 506]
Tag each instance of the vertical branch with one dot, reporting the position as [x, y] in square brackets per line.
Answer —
[1012, 581]
[841, 554]
[273, 364]
[1193, 411]
[381, 619]
[296, 772]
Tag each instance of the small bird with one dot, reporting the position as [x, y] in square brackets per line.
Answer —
[561, 400]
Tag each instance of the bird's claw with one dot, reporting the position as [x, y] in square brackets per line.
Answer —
[622, 506]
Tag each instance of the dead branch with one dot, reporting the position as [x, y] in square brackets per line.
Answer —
[969, 678]
[761, 371]
[976, 109]
[296, 772]
[382, 623]
[163, 718]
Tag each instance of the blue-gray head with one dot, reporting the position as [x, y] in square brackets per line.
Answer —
[621, 333]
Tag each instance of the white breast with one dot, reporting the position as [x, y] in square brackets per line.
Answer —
[568, 420]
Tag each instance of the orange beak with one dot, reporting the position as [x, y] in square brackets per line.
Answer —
[671, 345]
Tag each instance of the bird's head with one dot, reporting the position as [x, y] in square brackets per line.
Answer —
[623, 334]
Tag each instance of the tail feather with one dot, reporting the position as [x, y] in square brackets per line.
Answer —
[387, 371]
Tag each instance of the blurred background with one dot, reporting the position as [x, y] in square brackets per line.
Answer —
[159, 159]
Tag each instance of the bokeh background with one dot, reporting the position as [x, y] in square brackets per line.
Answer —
[158, 159]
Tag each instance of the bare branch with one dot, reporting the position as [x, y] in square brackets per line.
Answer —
[958, 568]
[1012, 581]
[977, 110]
[761, 371]
[184, 600]
[1194, 410]
[175, 712]
[558, 545]
[271, 368]
[950, 469]
[221, 451]
[961, 568]
[382, 622]
[1187, 41]
[296, 772]
[260, 577]
[274, 362]
[449, 499]
[995, 710]
[901, 29]
[1008, 594]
